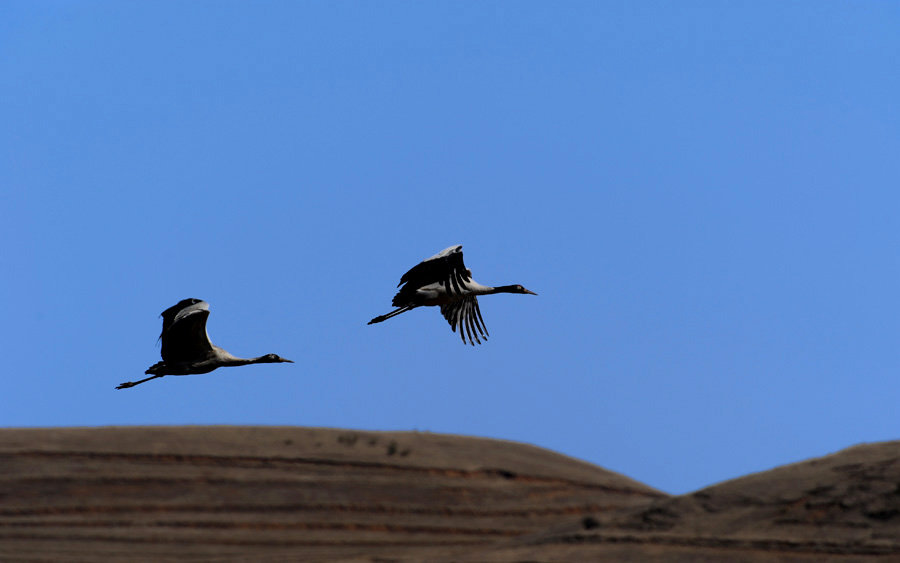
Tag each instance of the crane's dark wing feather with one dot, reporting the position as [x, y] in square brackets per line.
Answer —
[168, 316]
[445, 267]
[184, 337]
[465, 315]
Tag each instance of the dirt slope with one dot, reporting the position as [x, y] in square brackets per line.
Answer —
[203, 493]
[302, 494]
[842, 507]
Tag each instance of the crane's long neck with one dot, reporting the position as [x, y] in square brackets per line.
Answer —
[475, 288]
[501, 289]
[235, 361]
[239, 361]
[226, 359]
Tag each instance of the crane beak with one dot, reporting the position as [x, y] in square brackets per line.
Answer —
[530, 292]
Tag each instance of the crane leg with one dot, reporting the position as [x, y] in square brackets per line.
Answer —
[128, 384]
[393, 313]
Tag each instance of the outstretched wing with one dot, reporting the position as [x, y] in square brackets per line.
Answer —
[464, 314]
[184, 337]
[168, 316]
[446, 267]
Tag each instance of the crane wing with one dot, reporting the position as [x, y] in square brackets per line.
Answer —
[464, 314]
[445, 267]
[168, 316]
[184, 337]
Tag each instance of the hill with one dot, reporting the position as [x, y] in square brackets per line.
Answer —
[288, 494]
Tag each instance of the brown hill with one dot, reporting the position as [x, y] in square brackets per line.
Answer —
[201, 493]
[292, 494]
[842, 507]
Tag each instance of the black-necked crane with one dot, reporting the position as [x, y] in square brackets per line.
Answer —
[445, 281]
[186, 348]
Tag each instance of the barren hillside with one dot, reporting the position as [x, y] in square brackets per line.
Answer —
[289, 494]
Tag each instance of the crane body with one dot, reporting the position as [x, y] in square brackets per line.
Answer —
[186, 348]
[444, 281]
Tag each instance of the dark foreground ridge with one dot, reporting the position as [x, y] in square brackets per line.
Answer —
[305, 494]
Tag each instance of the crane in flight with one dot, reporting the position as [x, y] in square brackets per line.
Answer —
[186, 348]
[444, 280]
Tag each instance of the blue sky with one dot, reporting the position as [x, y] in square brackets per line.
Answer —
[703, 194]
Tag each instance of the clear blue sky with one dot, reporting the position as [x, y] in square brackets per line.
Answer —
[704, 194]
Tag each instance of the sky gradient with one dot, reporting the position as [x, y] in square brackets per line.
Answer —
[703, 194]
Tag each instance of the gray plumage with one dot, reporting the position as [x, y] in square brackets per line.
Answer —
[443, 280]
[186, 348]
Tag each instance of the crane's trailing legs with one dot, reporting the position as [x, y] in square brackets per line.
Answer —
[161, 369]
[393, 313]
[128, 384]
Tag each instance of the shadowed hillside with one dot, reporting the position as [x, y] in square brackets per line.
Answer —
[287, 494]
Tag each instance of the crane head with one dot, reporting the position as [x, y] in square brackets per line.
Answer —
[273, 359]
